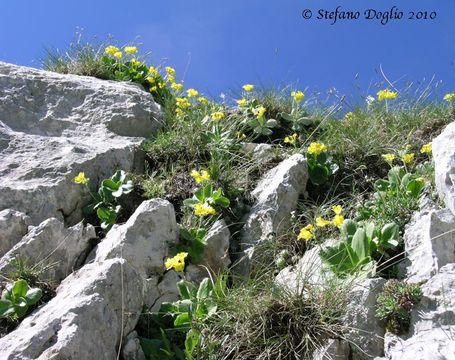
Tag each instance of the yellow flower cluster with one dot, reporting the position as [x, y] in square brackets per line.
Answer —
[113, 51]
[321, 222]
[177, 262]
[297, 96]
[130, 50]
[182, 103]
[259, 112]
[135, 62]
[192, 93]
[203, 210]
[202, 100]
[386, 95]
[153, 71]
[449, 97]
[426, 149]
[241, 103]
[170, 71]
[200, 177]
[248, 87]
[389, 158]
[290, 139]
[217, 115]
[338, 219]
[176, 86]
[306, 233]
[316, 148]
[407, 158]
[81, 179]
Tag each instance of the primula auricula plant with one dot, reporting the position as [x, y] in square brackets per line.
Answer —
[17, 298]
[298, 118]
[104, 202]
[320, 165]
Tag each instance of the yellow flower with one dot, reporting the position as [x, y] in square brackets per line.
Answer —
[248, 87]
[408, 158]
[449, 97]
[386, 95]
[81, 179]
[192, 93]
[111, 50]
[170, 79]
[135, 62]
[118, 55]
[259, 112]
[204, 210]
[320, 222]
[338, 220]
[388, 157]
[150, 79]
[177, 262]
[176, 87]
[161, 85]
[179, 112]
[306, 233]
[182, 103]
[154, 71]
[153, 88]
[202, 100]
[290, 139]
[200, 176]
[170, 71]
[408, 147]
[316, 148]
[337, 209]
[240, 135]
[130, 49]
[297, 95]
[349, 116]
[217, 115]
[426, 149]
[242, 103]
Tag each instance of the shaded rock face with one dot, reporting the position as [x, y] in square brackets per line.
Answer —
[53, 126]
[52, 246]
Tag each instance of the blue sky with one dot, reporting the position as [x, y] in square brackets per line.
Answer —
[220, 45]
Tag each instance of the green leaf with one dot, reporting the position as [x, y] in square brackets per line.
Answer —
[182, 320]
[360, 244]
[205, 287]
[222, 201]
[110, 184]
[6, 308]
[191, 342]
[318, 174]
[370, 230]
[348, 229]
[390, 232]
[285, 116]
[103, 214]
[19, 288]
[381, 185]
[33, 296]
[186, 289]
[414, 188]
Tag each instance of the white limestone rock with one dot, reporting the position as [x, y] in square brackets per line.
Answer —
[13, 226]
[444, 165]
[50, 243]
[53, 126]
[276, 197]
[363, 328]
[144, 239]
[93, 308]
[429, 244]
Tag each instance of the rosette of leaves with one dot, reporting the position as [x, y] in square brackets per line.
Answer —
[105, 200]
[358, 248]
[320, 167]
[394, 305]
[297, 119]
[175, 335]
[17, 298]
[206, 195]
